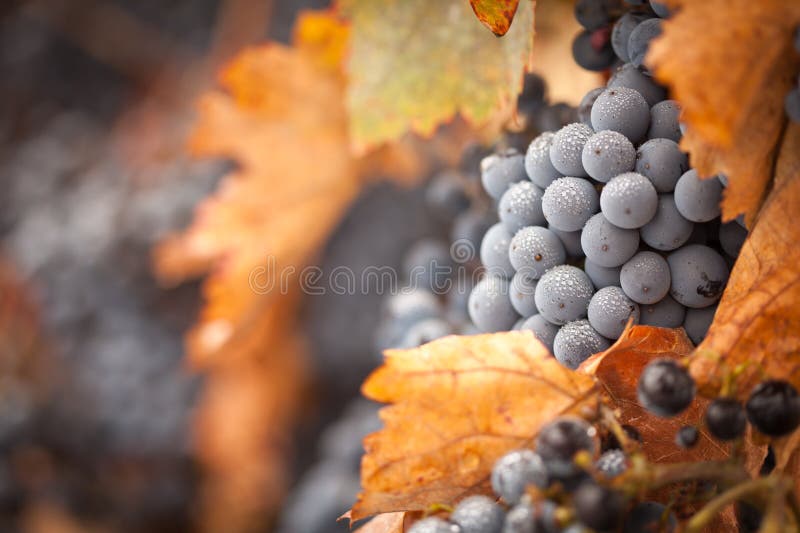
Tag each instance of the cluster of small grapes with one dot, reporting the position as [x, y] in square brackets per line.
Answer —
[570, 498]
[604, 221]
[564, 483]
[437, 278]
[792, 101]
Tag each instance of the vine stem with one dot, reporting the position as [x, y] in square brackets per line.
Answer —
[657, 476]
[704, 516]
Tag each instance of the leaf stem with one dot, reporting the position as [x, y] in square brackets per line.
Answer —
[704, 516]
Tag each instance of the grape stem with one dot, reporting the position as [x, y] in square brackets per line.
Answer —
[657, 476]
[777, 486]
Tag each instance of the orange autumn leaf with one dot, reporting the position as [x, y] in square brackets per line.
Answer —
[280, 115]
[756, 330]
[618, 370]
[730, 64]
[458, 404]
[496, 15]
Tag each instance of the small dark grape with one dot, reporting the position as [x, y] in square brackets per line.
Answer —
[665, 388]
[725, 419]
[515, 471]
[559, 441]
[774, 408]
[612, 463]
[598, 507]
[687, 436]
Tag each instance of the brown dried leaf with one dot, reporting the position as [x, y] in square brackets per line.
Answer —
[730, 63]
[458, 404]
[618, 370]
[495, 14]
[756, 330]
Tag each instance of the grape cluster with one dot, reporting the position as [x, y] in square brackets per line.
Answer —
[575, 496]
[437, 279]
[603, 221]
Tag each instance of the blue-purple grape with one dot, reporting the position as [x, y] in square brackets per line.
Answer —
[494, 251]
[602, 276]
[668, 230]
[698, 199]
[631, 77]
[569, 202]
[542, 330]
[629, 201]
[576, 341]
[567, 147]
[665, 121]
[498, 171]
[538, 166]
[621, 109]
[563, 294]
[607, 245]
[667, 313]
[639, 40]
[609, 311]
[645, 278]
[662, 162]
[535, 250]
[697, 322]
[520, 206]
[607, 154]
[699, 275]
[490, 306]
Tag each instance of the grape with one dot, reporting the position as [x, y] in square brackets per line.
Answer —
[520, 519]
[419, 303]
[567, 147]
[731, 238]
[640, 38]
[660, 9]
[536, 250]
[665, 121]
[698, 275]
[650, 516]
[558, 442]
[662, 162]
[556, 116]
[571, 241]
[609, 311]
[598, 507]
[606, 154]
[612, 463]
[774, 408]
[428, 264]
[538, 166]
[665, 388]
[520, 206]
[446, 196]
[532, 98]
[433, 525]
[490, 307]
[588, 55]
[494, 251]
[576, 341]
[518, 324]
[471, 226]
[629, 201]
[498, 171]
[478, 514]
[585, 107]
[667, 230]
[605, 244]
[569, 202]
[601, 276]
[792, 104]
[631, 77]
[563, 294]
[542, 329]
[725, 418]
[665, 314]
[515, 471]
[622, 32]
[621, 109]
[523, 288]
[687, 436]
[424, 332]
[698, 200]
[595, 14]
[535, 517]
[697, 322]
[645, 278]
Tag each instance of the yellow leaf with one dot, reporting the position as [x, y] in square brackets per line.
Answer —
[414, 64]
